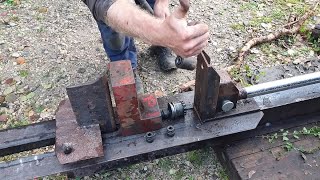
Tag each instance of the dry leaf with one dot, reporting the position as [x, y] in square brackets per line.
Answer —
[3, 118]
[8, 81]
[43, 10]
[16, 2]
[31, 113]
[189, 86]
[251, 173]
[20, 60]
[159, 93]
[304, 157]
[2, 99]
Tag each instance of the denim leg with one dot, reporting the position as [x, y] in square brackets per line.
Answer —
[117, 46]
[151, 3]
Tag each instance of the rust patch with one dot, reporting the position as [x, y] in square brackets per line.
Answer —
[75, 143]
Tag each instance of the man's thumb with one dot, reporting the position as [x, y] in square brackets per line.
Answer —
[182, 10]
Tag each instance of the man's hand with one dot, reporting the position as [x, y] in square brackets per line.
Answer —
[184, 40]
[172, 32]
[161, 9]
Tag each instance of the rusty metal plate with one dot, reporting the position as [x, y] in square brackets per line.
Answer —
[75, 143]
[150, 115]
[125, 95]
[91, 103]
[206, 88]
[227, 90]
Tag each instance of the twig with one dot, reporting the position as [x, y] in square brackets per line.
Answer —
[275, 35]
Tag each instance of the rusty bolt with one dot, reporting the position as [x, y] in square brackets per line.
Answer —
[67, 149]
[150, 136]
[170, 131]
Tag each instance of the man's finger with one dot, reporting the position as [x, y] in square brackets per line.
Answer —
[195, 51]
[197, 30]
[201, 39]
[182, 10]
[197, 42]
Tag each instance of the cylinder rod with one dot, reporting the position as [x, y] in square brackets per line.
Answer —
[283, 84]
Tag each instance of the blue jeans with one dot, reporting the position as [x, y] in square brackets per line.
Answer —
[119, 46]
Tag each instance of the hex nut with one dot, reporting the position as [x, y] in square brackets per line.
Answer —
[150, 136]
[170, 131]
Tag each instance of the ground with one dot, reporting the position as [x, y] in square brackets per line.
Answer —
[46, 46]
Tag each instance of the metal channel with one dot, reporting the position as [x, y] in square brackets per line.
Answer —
[284, 84]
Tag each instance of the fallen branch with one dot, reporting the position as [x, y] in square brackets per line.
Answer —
[273, 36]
[189, 86]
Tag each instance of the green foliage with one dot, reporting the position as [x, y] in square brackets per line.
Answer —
[23, 73]
[278, 13]
[236, 75]
[9, 2]
[249, 6]
[179, 174]
[255, 22]
[13, 124]
[196, 157]
[165, 163]
[287, 135]
[222, 174]
[238, 26]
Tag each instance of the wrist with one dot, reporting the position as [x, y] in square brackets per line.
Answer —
[158, 31]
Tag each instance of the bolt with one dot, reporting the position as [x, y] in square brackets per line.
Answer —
[227, 105]
[67, 149]
[170, 131]
[150, 136]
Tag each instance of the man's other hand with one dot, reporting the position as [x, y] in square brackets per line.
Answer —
[184, 40]
[161, 9]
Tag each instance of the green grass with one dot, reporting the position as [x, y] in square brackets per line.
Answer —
[222, 174]
[9, 2]
[179, 174]
[238, 26]
[249, 6]
[256, 21]
[18, 123]
[165, 164]
[198, 157]
[23, 73]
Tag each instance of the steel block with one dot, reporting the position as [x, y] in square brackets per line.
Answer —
[125, 95]
[150, 114]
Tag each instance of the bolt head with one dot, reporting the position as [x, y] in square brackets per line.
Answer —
[227, 106]
[67, 149]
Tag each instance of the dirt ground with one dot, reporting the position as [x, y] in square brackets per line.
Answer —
[46, 46]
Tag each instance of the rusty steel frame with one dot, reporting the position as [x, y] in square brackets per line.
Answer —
[190, 134]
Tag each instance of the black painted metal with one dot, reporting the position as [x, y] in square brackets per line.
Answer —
[27, 137]
[91, 103]
[206, 88]
[190, 134]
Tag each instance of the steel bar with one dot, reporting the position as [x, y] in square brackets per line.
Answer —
[284, 84]
[27, 137]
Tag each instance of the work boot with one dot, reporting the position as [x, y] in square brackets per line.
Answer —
[165, 57]
[139, 84]
[186, 63]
